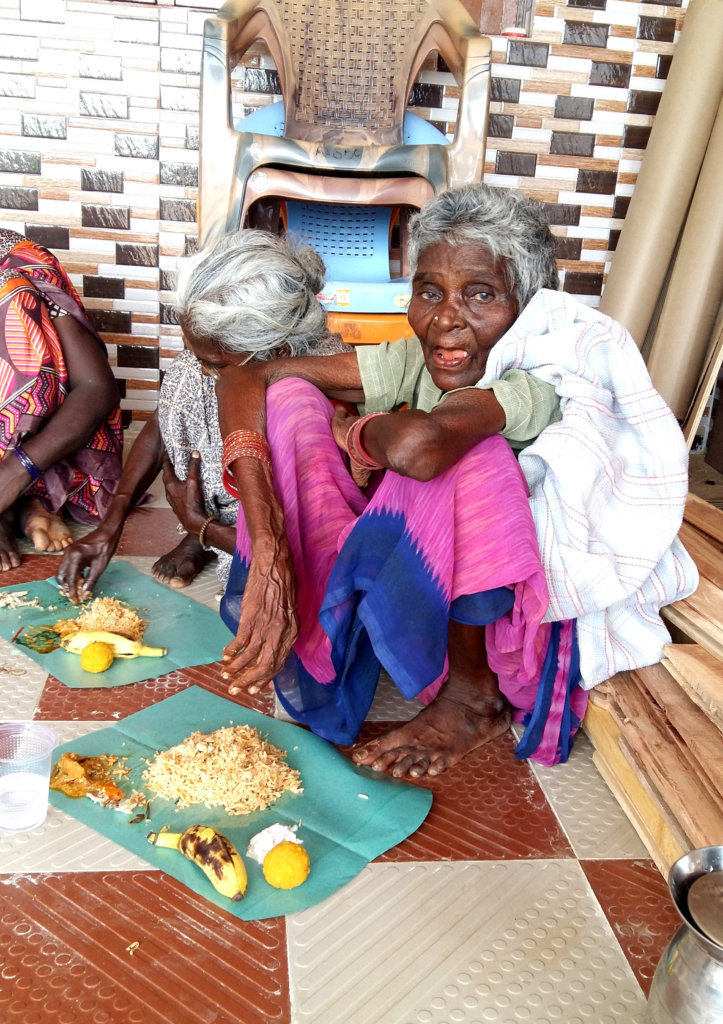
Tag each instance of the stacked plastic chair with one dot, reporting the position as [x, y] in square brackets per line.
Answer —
[339, 157]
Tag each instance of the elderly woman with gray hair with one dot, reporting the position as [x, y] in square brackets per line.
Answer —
[406, 537]
[249, 297]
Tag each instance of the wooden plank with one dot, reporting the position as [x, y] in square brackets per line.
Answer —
[654, 793]
[631, 813]
[700, 674]
[704, 516]
[704, 552]
[675, 775]
[691, 727]
[654, 832]
[664, 856]
[700, 617]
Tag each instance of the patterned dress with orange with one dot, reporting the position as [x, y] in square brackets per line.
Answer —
[34, 292]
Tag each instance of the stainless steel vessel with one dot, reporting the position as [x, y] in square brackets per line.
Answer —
[688, 983]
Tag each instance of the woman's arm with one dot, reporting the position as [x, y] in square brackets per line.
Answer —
[92, 394]
[269, 622]
[422, 445]
[94, 551]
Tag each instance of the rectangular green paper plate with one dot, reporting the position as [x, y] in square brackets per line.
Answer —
[192, 633]
[349, 815]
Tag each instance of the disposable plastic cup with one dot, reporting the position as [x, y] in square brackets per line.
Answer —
[25, 754]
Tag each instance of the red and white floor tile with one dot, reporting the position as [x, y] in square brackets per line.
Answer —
[525, 896]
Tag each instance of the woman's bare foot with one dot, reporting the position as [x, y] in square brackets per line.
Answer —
[179, 567]
[468, 712]
[45, 530]
[9, 555]
[440, 736]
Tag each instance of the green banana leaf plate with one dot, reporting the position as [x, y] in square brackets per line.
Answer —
[348, 815]
[192, 633]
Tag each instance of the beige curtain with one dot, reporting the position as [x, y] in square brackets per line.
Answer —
[666, 280]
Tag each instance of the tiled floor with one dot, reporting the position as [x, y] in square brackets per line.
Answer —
[525, 896]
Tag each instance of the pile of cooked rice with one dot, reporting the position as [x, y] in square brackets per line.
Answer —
[231, 768]
[105, 614]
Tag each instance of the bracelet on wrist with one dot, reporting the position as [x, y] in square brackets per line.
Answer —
[202, 532]
[245, 444]
[355, 450]
[27, 463]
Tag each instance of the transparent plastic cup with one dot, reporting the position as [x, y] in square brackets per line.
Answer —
[25, 755]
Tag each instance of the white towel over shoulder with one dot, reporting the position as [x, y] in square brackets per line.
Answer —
[608, 483]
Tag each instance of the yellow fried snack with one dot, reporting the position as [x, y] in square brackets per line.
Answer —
[286, 865]
[96, 657]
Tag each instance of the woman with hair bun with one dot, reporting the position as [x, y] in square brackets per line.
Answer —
[249, 297]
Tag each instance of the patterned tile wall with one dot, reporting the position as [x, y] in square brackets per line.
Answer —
[99, 110]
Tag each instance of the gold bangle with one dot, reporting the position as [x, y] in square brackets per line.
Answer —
[202, 531]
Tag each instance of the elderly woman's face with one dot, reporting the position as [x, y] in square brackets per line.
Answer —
[213, 359]
[461, 306]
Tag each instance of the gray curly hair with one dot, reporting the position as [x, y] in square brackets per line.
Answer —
[253, 292]
[510, 226]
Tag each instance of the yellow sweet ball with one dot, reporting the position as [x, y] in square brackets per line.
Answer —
[286, 865]
[96, 657]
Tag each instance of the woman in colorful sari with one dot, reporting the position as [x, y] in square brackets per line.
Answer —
[60, 421]
[433, 569]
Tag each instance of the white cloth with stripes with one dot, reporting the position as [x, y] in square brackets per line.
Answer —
[608, 483]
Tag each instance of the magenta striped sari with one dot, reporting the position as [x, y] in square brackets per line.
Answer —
[380, 577]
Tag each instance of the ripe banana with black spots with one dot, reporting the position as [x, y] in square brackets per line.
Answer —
[216, 855]
[122, 646]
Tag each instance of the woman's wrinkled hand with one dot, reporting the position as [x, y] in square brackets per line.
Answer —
[341, 421]
[269, 622]
[92, 552]
[185, 496]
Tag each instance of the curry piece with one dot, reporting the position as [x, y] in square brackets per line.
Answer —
[76, 775]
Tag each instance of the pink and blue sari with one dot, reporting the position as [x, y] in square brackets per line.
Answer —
[380, 574]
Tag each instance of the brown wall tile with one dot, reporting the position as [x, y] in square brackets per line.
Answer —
[99, 287]
[610, 73]
[500, 126]
[568, 248]
[137, 357]
[582, 284]
[575, 108]
[530, 54]
[663, 67]
[661, 30]
[601, 182]
[643, 102]
[179, 174]
[620, 207]
[585, 33]
[519, 164]
[562, 213]
[505, 90]
[111, 321]
[94, 180]
[49, 235]
[572, 144]
[178, 209]
[128, 255]
[100, 215]
[14, 197]
[19, 161]
[636, 136]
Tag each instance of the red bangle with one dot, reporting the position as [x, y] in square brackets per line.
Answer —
[245, 444]
[242, 444]
[354, 447]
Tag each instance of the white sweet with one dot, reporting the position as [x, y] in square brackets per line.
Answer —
[270, 837]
